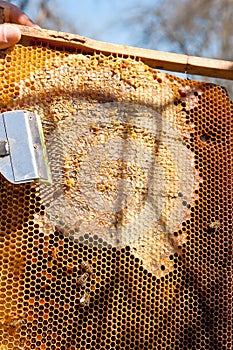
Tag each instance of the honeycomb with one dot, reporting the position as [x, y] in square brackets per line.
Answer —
[130, 247]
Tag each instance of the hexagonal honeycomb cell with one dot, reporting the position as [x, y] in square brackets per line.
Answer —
[130, 247]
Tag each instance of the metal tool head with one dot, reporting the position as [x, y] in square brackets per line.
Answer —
[23, 156]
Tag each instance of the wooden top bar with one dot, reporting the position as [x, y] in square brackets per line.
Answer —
[155, 59]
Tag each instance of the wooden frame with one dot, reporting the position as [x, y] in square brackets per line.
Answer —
[155, 59]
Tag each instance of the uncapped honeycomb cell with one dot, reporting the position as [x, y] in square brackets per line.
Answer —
[131, 246]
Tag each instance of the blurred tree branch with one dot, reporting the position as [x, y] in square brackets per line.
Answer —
[47, 17]
[24, 4]
[47, 14]
[196, 28]
[189, 27]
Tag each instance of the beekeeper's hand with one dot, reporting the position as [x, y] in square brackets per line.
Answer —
[10, 35]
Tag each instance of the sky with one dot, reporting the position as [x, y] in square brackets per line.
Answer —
[102, 19]
[97, 19]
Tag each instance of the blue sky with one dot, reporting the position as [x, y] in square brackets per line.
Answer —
[98, 19]
[102, 19]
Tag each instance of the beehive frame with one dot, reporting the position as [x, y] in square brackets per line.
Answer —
[57, 292]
